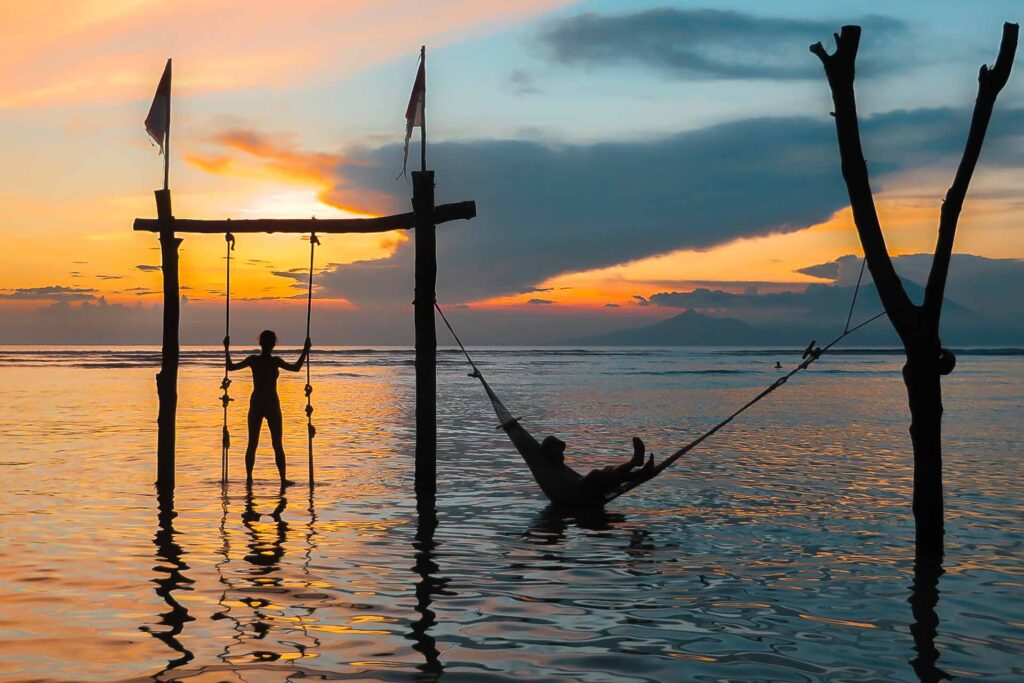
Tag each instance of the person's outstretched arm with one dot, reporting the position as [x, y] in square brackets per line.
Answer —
[227, 357]
[297, 365]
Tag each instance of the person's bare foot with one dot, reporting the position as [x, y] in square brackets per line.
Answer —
[638, 452]
[285, 483]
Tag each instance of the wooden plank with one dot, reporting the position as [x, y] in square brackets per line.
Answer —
[402, 221]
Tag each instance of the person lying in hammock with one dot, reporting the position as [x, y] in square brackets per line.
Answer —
[264, 402]
[564, 485]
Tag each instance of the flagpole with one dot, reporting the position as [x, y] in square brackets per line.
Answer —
[423, 128]
[167, 137]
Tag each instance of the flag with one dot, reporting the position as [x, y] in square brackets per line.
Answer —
[414, 114]
[159, 119]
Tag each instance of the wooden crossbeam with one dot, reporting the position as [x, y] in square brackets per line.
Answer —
[402, 221]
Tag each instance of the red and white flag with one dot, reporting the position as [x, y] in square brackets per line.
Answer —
[159, 119]
[414, 113]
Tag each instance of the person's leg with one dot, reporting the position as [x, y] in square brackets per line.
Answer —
[276, 435]
[255, 422]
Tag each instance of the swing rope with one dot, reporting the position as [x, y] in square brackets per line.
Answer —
[810, 354]
[853, 302]
[225, 399]
[310, 429]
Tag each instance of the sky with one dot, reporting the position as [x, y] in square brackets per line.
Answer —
[625, 157]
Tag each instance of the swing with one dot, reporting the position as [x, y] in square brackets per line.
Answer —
[225, 398]
[560, 487]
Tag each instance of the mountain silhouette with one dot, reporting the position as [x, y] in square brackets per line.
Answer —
[689, 328]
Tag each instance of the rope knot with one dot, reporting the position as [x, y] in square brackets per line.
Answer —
[308, 390]
[812, 351]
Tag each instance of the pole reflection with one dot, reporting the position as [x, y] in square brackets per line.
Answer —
[924, 598]
[427, 587]
[171, 577]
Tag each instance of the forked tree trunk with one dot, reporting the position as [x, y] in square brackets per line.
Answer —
[917, 326]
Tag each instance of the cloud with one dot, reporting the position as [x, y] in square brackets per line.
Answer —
[546, 210]
[522, 83]
[110, 277]
[249, 153]
[982, 304]
[49, 293]
[147, 268]
[692, 44]
[540, 301]
[986, 285]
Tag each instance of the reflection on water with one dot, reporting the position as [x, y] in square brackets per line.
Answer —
[428, 585]
[924, 598]
[170, 579]
[782, 550]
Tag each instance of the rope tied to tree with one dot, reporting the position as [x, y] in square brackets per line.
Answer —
[225, 383]
[853, 302]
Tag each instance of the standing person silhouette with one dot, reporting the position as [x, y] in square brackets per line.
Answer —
[264, 401]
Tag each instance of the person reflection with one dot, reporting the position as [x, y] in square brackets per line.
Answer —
[265, 550]
[171, 577]
[551, 523]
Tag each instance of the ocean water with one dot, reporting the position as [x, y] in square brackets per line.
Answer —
[780, 550]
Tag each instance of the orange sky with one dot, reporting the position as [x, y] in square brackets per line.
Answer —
[76, 79]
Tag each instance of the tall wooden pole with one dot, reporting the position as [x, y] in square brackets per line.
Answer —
[167, 379]
[426, 338]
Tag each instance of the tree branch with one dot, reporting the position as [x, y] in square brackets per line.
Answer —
[990, 83]
[840, 70]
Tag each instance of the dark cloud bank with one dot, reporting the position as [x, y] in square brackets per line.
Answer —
[546, 210]
[983, 307]
[694, 44]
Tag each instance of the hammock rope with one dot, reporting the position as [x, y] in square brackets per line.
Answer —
[810, 354]
[225, 383]
[310, 429]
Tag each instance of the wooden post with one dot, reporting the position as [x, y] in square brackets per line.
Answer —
[167, 379]
[426, 338]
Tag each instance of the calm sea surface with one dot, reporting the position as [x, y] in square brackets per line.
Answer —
[781, 550]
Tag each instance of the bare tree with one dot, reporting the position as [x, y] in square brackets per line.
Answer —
[916, 325]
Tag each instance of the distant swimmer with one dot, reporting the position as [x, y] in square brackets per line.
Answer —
[778, 365]
[264, 401]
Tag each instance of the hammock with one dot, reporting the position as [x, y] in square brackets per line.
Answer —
[542, 470]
